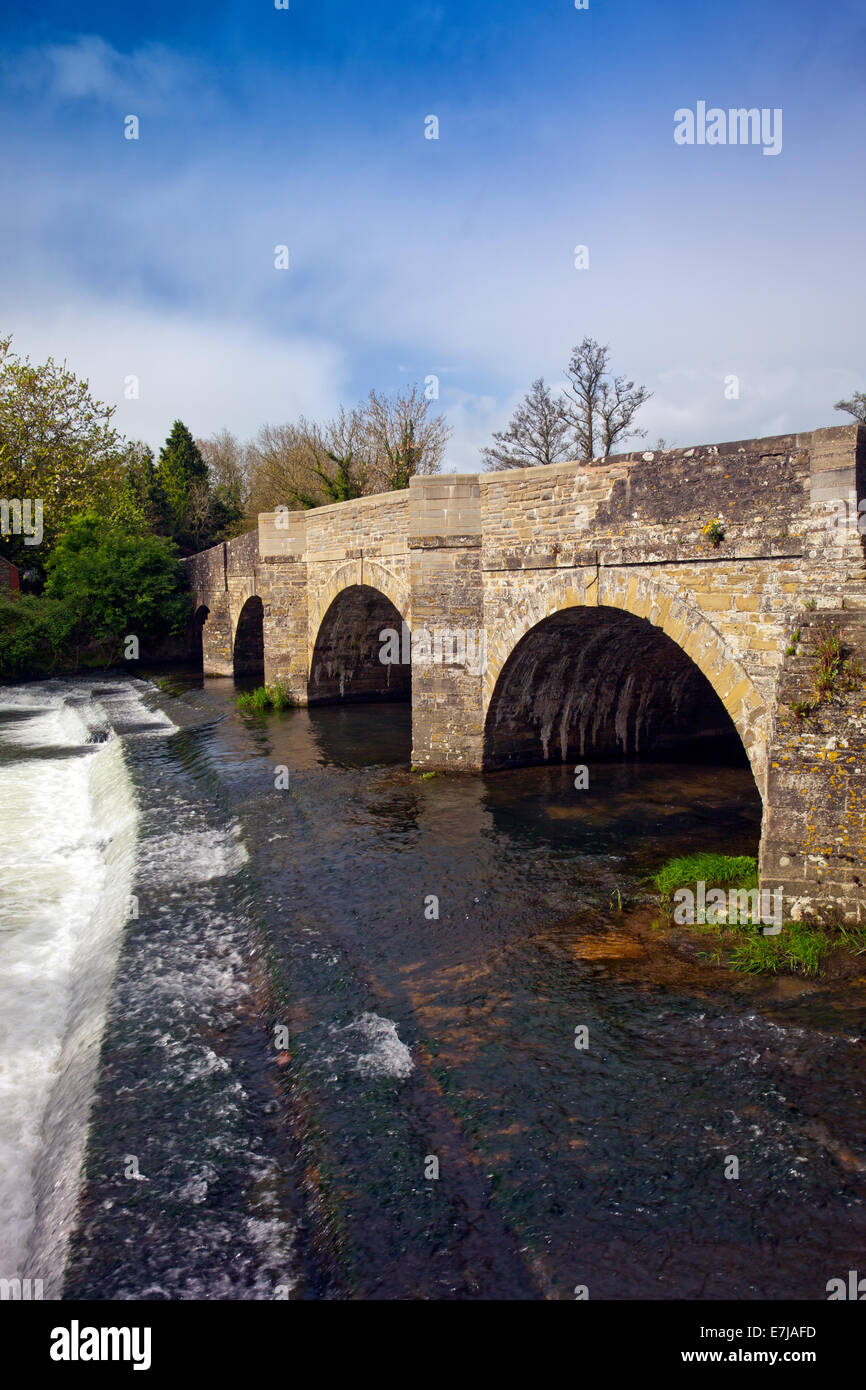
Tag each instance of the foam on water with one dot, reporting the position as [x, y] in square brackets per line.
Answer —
[386, 1055]
[67, 859]
[196, 856]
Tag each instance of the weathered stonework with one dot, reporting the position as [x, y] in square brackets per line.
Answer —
[513, 554]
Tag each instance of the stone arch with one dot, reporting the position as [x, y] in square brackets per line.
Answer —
[356, 572]
[248, 647]
[664, 607]
[346, 662]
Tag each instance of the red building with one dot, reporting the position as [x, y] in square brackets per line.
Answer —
[9, 578]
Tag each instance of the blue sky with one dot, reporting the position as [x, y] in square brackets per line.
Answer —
[453, 257]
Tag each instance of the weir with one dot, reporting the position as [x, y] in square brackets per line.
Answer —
[632, 605]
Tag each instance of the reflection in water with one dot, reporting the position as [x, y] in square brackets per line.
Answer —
[432, 946]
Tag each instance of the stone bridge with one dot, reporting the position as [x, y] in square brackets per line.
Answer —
[649, 603]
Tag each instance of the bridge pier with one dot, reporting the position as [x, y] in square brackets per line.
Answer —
[447, 588]
[217, 642]
[813, 844]
[283, 588]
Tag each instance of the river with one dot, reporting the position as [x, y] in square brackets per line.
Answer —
[280, 1018]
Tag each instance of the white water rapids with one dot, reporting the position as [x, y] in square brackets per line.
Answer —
[67, 857]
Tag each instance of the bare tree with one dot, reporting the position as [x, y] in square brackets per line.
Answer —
[540, 432]
[376, 447]
[856, 406]
[603, 407]
[228, 462]
[402, 438]
[202, 515]
[282, 463]
[340, 460]
[301, 465]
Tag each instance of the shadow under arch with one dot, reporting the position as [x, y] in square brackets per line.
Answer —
[248, 649]
[600, 682]
[347, 662]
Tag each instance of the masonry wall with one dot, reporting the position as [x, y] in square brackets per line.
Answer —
[814, 840]
[448, 595]
[222, 579]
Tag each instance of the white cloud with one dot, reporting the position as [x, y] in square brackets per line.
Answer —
[208, 372]
[89, 69]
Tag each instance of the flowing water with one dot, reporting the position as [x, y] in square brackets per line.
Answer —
[339, 1007]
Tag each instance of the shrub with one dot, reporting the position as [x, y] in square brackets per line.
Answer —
[117, 582]
[34, 635]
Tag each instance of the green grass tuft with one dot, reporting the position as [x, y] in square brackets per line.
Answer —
[715, 870]
[263, 698]
[800, 947]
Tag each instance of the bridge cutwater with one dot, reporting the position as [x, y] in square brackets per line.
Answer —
[585, 611]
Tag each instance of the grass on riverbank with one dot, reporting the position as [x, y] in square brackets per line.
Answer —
[265, 697]
[715, 870]
[800, 948]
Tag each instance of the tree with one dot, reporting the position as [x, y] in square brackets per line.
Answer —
[228, 464]
[402, 439]
[146, 499]
[540, 432]
[856, 406]
[181, 473]
[338, 460]
[281, 465]
[57, 447]
[603, 407]
[115, 583]
[376, 447]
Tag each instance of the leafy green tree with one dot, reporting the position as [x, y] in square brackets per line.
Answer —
[182, 476]
[57, 446]
[146, 501]
[116, 583]
[340, 483]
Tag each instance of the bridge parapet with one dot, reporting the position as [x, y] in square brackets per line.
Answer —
[771, 496]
